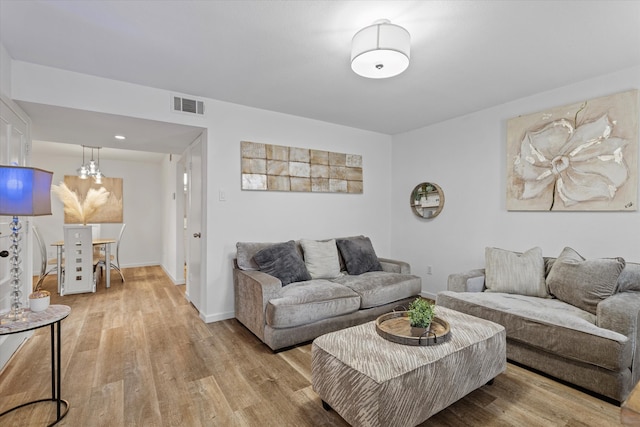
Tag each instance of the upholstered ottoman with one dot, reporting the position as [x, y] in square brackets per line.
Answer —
[371, 381]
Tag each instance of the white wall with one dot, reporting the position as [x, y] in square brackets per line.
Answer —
[142, 184]
[278, 216]
[466, 156]
[5, 71]
[245, 215]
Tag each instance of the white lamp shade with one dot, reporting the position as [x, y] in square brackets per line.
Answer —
[380, 50]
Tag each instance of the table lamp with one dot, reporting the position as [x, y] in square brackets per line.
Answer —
[23, 191]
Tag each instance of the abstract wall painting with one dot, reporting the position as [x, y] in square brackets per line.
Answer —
[268, 167]
[579, 157]
[110, 212]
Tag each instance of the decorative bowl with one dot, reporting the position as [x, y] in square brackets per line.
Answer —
[39, 301]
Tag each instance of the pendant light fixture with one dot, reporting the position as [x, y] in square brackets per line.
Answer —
[380, 50]
[92, 169]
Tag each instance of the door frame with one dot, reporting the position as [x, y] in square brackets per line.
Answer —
[10, 343]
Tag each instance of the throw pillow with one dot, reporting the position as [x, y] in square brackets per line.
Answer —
[584, 283]
[629, 279]
[283, 261]
[358, 254]
[515, 273]
[321, 258]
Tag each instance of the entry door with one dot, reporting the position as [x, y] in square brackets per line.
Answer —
[195, 232]
[14, 144]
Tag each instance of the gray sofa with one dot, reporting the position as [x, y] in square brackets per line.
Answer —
[292, 292]
[569, 317]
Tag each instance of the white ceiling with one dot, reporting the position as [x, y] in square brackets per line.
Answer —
[293, 56]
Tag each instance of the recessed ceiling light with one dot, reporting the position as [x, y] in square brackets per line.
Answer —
[120, 137]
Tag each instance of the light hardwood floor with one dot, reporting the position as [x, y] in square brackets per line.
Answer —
[137, 354]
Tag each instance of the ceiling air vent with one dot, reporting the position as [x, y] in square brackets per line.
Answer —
[187, 105]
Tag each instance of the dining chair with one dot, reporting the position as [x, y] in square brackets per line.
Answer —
[79, 267]
[43, 256]
[114, 261]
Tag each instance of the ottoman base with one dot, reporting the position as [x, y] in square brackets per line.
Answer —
[370, 381]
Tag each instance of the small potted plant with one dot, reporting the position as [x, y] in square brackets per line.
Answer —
[39, 299]
[420, 313]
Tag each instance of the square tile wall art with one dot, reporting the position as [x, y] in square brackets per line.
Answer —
[110, 212]
[580, 157]
[269, 167]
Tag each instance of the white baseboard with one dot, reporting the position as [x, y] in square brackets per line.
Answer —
[173, 279]
[141, 264]
[210, 318]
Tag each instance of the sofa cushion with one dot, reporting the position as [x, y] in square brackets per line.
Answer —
[321, 258]
[629, 279]
[547, 324]
[584, 283]
[283, 261]
[380, 287]
[307, 302]
[515, 273]
[358, 254]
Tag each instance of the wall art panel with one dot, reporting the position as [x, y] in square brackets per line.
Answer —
[110, 212]
[267, 167]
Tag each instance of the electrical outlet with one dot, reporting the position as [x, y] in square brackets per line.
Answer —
[429, 269]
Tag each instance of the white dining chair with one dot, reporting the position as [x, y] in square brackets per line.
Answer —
[114, 261]
[45, 262]
[79, 274]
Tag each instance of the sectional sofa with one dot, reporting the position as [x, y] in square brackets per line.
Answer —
[573, 318]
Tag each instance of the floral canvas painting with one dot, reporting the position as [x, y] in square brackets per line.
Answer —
[580, 157]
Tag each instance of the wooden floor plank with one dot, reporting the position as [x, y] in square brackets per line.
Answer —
[141, 401]
[137, 354]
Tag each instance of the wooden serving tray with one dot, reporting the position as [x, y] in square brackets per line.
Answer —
[395, 327]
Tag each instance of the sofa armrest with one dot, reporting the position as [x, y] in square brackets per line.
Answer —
[470, 281]
[621, 313]
[395, 266]
[253, 290]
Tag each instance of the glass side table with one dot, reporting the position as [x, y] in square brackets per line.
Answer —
[52, 316]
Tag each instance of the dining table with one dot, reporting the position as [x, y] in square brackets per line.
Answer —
[101, 241]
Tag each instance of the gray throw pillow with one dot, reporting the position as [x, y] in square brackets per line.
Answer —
[283, 261]
[629, 279]
[584, 283]
[358, 254]
[515, 273]
[321, 258]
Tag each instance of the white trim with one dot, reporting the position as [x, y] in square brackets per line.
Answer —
[210, 318]
[173, 279]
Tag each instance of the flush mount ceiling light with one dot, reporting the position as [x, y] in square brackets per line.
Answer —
[380, 50]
